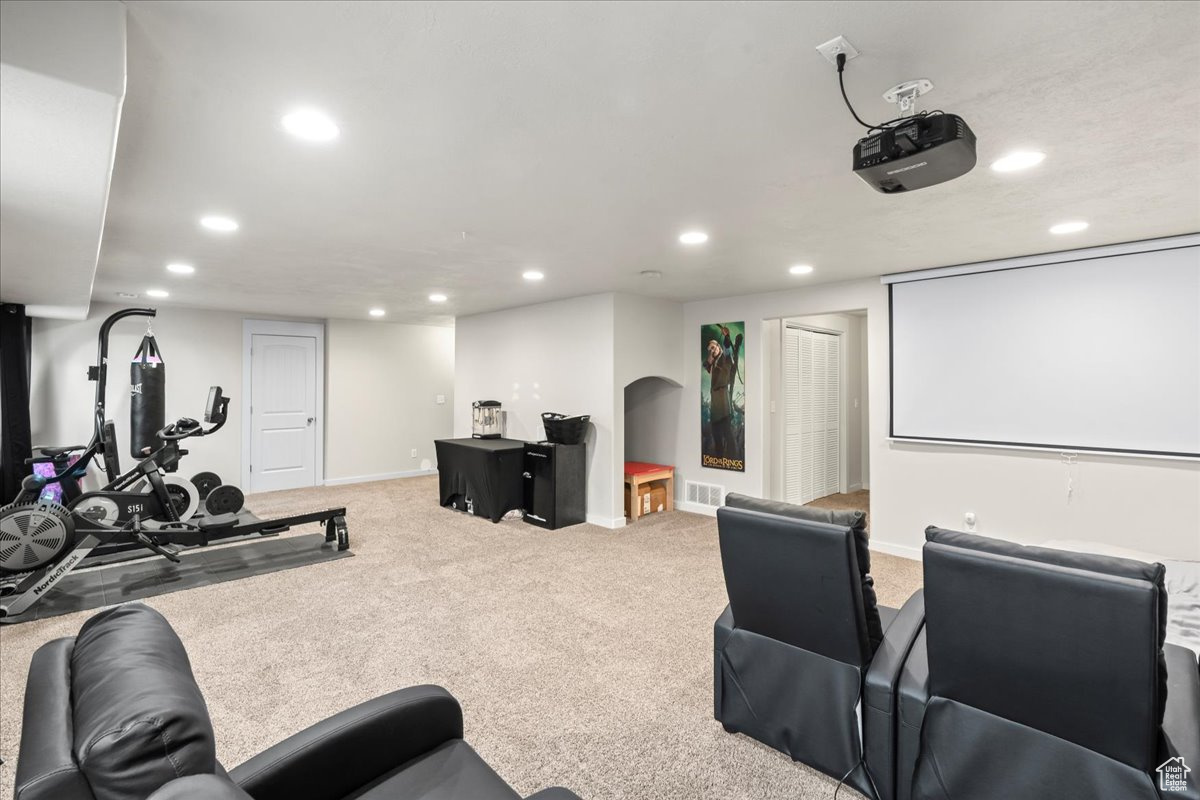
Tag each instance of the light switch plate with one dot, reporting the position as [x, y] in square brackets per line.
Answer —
[441, 399]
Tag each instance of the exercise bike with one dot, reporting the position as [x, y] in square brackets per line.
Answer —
[35, 534]
[150, 489]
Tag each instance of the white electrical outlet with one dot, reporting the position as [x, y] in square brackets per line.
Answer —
[969, 520]
[414, 452]
[837, 45]
[440, 399]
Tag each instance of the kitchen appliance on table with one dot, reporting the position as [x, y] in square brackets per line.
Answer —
[487, 421]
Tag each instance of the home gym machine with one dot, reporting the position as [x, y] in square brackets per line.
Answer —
[41, 542]
[144, 509]
[55, 460]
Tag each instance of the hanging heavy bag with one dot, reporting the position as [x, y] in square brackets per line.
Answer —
[147, 398]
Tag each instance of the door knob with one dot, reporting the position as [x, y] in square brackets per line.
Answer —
[310, 420]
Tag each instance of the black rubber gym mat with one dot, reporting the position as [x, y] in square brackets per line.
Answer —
[201, 566]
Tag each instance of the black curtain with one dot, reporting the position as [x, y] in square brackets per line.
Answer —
[16, 337]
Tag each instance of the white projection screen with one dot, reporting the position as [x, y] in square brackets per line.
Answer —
[1101, 352]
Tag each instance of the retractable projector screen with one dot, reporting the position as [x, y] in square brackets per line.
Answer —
[1088, 350]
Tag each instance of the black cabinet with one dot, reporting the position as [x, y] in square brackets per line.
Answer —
[555, 484]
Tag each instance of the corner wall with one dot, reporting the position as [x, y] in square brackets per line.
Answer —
[382, 381]
[549, 357]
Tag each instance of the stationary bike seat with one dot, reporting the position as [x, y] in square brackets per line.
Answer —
[54, 452]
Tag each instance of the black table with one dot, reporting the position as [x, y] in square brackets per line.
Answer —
[487, 471]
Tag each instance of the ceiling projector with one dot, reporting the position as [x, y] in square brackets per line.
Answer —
[916, 153]
[914, 150]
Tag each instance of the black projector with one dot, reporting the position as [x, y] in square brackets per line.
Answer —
[918, 152]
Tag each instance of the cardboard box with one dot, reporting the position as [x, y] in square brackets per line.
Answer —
[651, 497]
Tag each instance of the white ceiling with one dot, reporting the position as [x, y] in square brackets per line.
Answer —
[581, 138]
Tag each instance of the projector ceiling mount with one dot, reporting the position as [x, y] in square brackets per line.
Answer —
[912, 151]
[905, 95]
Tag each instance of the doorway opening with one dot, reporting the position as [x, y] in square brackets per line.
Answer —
[817, 444]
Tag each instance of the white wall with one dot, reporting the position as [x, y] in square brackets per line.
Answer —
[650, 430]
[549, 357]
[199, 348]
[382, 382]
[864, 412]
[1015, 494]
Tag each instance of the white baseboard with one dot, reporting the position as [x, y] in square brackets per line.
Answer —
[696, 508]
[383, 476]
[854, 487]
[612, 523]
[902, 550]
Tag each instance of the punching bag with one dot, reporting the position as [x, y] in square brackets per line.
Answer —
[147, 398]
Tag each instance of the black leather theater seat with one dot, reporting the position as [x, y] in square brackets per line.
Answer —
[1043, 673]
[115, 714]
[805, 661]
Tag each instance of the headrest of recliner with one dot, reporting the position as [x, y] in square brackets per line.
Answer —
[797, 582]
[853, 519]
[139, 718]
[1067, 643]
[856, 521]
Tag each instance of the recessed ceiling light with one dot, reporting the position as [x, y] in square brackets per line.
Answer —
[219, 224]
[693, 237]
[1018, 160]
[532, 275]
[1074, 226]
[157, 293]
[437, 298]
[310, 125]
[376, 312]
[181, 269]
[800, 269]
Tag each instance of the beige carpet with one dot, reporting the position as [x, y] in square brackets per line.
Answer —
[582, 657]
[859, 500]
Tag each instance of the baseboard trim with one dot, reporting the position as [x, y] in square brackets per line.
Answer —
[696, 508]
[612, 523]
[901, 550]
[854, 487]
[383, 476]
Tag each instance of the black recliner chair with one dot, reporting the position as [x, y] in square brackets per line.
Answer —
[805, 661]
[115, 714]
[1043, 674]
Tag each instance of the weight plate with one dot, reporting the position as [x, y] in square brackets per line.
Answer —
[33, 535]
[224, 500]
[206, 482]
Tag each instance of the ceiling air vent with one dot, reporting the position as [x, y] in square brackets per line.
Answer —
[705, 494]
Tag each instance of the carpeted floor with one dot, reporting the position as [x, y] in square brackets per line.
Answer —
[582, 657]
[859, 500]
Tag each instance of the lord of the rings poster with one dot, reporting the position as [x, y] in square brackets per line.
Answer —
[723, 396]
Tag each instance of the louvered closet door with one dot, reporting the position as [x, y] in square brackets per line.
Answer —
[812, 414]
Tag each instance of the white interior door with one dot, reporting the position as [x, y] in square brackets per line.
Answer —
[283, 411]
[812, 399]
